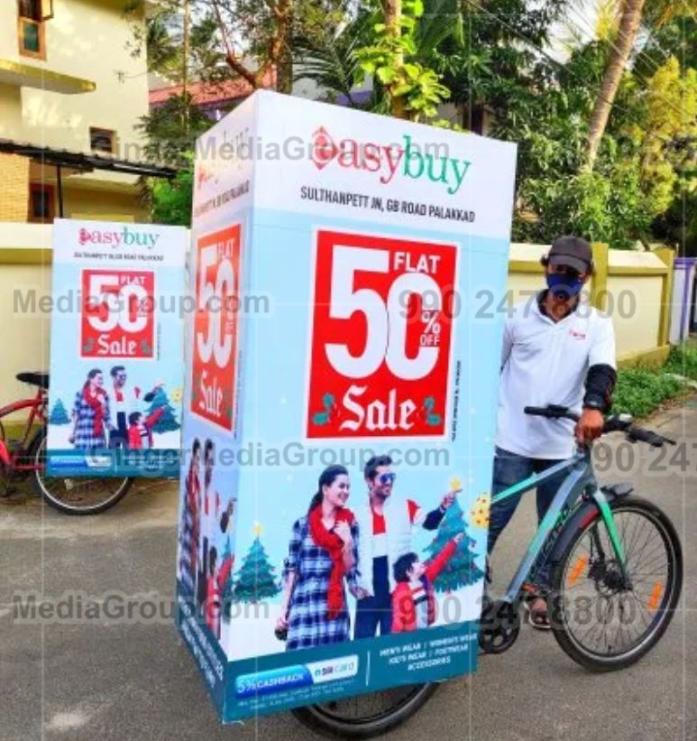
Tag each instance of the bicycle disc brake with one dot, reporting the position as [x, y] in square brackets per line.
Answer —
[499, 626]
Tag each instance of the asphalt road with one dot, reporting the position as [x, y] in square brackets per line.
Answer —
[91, 681]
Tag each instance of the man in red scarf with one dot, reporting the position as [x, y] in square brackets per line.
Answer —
[125, 400]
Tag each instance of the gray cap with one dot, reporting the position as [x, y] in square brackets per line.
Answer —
[574, 252]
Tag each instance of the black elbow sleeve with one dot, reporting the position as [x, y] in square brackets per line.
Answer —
[600, 383]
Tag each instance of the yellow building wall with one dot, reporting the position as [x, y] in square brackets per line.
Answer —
[103, 206]
[87, 39]
[10, 110]
[25, 335]
[636, 312]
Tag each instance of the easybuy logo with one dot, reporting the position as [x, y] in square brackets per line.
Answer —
[407, 160]
[126, 237]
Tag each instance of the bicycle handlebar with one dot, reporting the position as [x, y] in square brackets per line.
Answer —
[613, 423]
[552, 411]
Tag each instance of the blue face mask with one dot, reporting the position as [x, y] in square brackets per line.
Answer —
[563, 286]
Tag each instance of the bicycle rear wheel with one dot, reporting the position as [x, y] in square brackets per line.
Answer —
[80, 495]
[597, 621]
[365, 716]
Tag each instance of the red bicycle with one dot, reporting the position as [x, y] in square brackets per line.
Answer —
[26, 456]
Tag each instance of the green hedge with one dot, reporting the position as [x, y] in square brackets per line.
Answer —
[640, 391]
[683, 360]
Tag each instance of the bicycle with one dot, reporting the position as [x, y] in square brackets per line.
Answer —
[592, 536]
[27, 456]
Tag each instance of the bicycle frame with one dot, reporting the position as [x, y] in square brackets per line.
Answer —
[580, 479]
[37, 406]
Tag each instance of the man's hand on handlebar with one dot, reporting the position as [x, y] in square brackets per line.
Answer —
[590, 426]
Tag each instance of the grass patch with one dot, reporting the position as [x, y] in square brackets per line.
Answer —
[640, 391]
[683, 360]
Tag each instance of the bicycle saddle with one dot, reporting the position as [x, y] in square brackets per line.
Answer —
[35, 378]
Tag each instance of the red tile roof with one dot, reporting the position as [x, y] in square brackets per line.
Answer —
[205, 93]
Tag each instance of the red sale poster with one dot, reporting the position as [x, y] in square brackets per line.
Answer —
[215, 336]
[117, 314]
[381, 336]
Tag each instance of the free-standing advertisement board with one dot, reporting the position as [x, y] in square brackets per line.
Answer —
[115, 393]
[338, 260]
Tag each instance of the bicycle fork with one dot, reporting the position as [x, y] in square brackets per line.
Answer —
[607, 517]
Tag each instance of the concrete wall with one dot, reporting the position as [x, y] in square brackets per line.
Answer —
[636, 285]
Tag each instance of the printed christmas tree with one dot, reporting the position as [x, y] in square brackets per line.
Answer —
[255, 580]
[168, 421]
[462, 569]
[58, 414]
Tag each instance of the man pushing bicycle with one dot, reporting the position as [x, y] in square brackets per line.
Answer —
[556, 349]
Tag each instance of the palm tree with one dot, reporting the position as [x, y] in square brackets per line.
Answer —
[657, 14]
[329, 58]
[630, 21]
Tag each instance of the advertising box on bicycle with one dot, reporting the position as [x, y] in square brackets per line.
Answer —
[339, 401]
[116, 343]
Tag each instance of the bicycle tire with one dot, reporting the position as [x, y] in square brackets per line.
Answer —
[61, 505]
[316, 718]
[594, 661]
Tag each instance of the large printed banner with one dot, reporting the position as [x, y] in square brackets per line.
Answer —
[116, 346]
[217, 276]
[340, 402]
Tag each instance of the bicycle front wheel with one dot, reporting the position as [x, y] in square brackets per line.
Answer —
[599, 621]
[365, 716]
[76, 496]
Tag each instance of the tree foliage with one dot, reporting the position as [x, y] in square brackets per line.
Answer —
[411, 88]
[412, 56]
[172, 200]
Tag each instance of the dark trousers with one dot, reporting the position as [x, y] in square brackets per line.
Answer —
[118, 437]
[372, 612]
[509, 469]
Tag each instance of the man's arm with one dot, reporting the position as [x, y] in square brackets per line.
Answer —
[428, 522]
[602, 362]
[434, 518]
[600, 383]
[151, 394]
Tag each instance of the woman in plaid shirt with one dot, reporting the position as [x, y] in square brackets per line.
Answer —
[323, 552]
[190, 528]
[91, 418]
